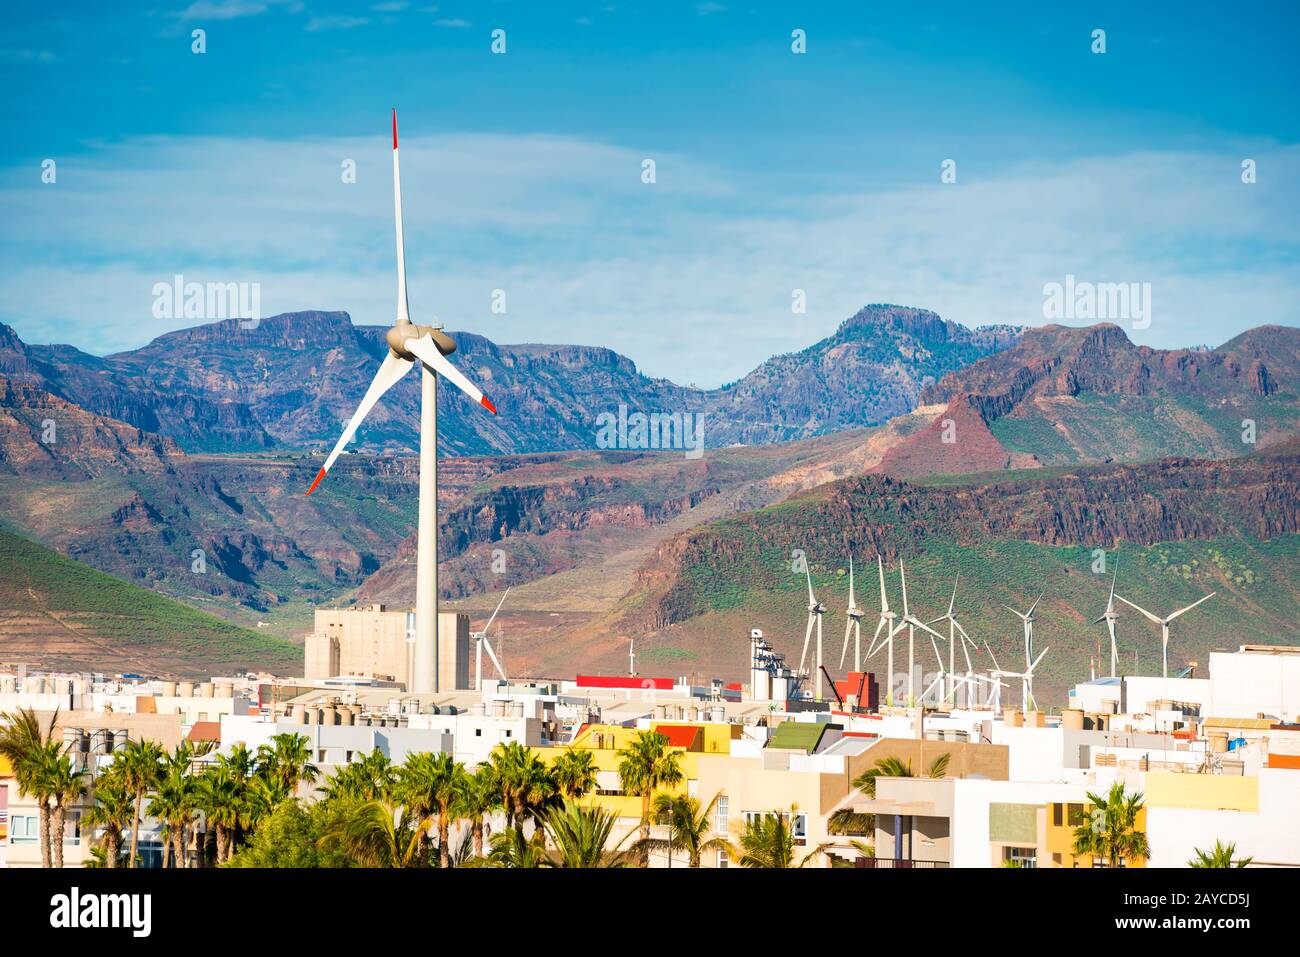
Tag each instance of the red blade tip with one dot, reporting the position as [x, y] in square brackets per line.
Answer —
[487, 404]
[319, 475]
[394, 127]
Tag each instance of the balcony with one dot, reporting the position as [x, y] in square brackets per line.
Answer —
[905, 864]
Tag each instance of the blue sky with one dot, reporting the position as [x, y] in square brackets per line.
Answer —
[775, 171]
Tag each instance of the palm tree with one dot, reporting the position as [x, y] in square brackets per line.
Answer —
[1110, 832]
[66, 785]
[524, 779]
[1220, 856]
[646, 766]
[509, 848]
[579, 835]
[689, 827]
[370, 779]
[897, 768]
[378, 834]
[24, 743]
[111, 812]
[768, 841]
[575, 773]
[287, 760]
[141, 771]
[479, 797]
[220, 796]
[430, 785]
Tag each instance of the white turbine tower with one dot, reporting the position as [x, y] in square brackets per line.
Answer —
[854, 625]
[1164, 626]
[885, 624]
[1110, 617]
[481, 642]
[1027, 618]
[429, 345]
[815, 612]
[913, 623]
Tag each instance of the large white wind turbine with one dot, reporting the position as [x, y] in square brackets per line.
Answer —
[481, 642]
[429, 345]
[1164, 626]
[854, 625]
[815, 612]
[1110, 617]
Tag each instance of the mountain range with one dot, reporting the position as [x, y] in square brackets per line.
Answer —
[294, 380]
[1006, 451]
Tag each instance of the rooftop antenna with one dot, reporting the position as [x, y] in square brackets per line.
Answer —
[1164, 626]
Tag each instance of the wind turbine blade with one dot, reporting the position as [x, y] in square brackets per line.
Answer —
[848, 627]
[873, 649]
[1114, 578]
[428, 353]
[852, 602]
[390, 370]
[1031, 668]
[1013, 611]
[922, 625]
[952, 602]
[996, 667]
[403, 309]
[494, 613]
[1150, 616]
[884, 598]
[1183, 611]
[1098, 621]
[1035, 604]
[811, 599]
[903, 572]
[495, 662]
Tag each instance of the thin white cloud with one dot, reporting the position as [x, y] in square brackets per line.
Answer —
[691, 276]
[335, 23]
[454, 22]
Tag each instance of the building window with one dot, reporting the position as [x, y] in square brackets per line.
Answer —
[478, 732]
[723, 860]
[72, 829]
[720, 815]
[24, 829]
[508, 733]
[1058, 815]
[1020, 856]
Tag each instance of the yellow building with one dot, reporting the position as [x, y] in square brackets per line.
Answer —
[1063, 819]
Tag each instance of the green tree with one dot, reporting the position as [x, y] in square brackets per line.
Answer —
[1221, 856]
[478, 798]
[430, 786]
[689, 827]
[287, 760]
[526, 784]
[66, 785]
[1109, 831]
[509, 848]
[377, 834]
[769, 842]
[25, 744]
[290, 837]
[370, 779]
[111, 813]
[897, 768]
[578, 836]
[575, 773]
[645, 766]
[141, 772]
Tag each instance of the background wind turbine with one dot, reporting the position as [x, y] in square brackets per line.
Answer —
[815, 612]
[429, 345]
[885, 624]
[955, 632]
[913, 623]
[1026, 680]
[854, 625]
[1110, 617]
[1164, 626]
[481, 642]
[1027, 618]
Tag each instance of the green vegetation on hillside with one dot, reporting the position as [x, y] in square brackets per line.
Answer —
[35, 581]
